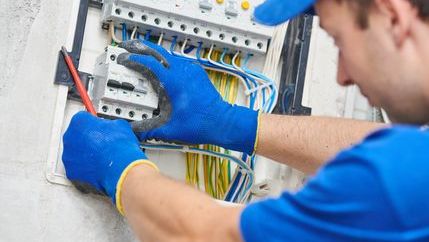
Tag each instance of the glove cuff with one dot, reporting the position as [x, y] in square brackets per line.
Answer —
[117, 199]
[255, 147]
[120, 158]
[240, 129]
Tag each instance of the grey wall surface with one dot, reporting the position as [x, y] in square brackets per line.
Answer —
[32, 32]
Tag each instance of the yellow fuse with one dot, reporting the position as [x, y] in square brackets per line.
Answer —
[245, 5]
[219, 1]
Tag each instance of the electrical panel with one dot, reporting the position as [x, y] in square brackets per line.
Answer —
[224, 32]
[224, 23]
[119, 92]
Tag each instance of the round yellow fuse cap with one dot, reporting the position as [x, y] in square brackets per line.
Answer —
[245, 5]
[219, 1]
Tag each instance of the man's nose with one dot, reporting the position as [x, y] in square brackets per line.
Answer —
[343, 77]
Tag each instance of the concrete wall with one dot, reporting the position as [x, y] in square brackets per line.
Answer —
[32, 209]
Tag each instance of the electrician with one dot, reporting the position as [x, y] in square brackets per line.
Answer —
[372, 190]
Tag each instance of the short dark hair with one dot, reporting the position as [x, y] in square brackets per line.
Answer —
[363, 6]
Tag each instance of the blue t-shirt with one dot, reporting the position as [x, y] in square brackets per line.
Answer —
[376, 191]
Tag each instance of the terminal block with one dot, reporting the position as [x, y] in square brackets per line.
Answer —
[119, 92]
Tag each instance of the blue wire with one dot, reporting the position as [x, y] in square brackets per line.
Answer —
[147, 35]
[264, 78]
[285, 97]
[173, 46]
[242, 164]
[239, 190]
[124, 32]
[189, 49]
[234, 185]
[246, 61]
[137, 35]
[222, 57]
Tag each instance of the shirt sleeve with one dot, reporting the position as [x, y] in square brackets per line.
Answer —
[343, 202]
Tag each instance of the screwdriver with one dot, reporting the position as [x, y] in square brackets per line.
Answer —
[78, 82]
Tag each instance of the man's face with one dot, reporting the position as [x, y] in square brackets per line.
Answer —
[370, 58]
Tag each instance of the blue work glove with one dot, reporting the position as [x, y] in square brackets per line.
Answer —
[99, 153]
[274, 12]
[191, 109]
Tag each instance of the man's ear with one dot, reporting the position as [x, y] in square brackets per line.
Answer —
[400, 14]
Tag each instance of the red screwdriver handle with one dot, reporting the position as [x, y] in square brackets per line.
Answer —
[78, 82]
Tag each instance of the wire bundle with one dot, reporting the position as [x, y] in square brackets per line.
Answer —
[217, 172]
[226, 73]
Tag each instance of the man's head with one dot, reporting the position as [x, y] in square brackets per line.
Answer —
[384, 49]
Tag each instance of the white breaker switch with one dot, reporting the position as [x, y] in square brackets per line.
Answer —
[231, 8]
[206, 5]
[119, 92]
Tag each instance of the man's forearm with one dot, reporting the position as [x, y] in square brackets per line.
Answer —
[160, 209]
[306, 143]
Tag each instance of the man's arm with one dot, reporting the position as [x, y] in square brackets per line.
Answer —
[306, 143]
[160, 209]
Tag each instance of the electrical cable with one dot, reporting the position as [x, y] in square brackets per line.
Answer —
[124, 32]
[112, 33]
[245, 169]
[147, 35]
[161, 36]
[133, 34]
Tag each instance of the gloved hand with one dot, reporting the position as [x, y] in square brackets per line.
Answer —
[99, 153]
[192, 111]
[274, 12]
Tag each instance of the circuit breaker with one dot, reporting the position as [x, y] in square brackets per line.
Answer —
[119, 92]
[224, 23]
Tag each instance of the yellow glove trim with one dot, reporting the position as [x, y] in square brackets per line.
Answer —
[257, 133]
[122, 179]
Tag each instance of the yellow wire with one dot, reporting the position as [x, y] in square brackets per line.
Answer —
[216, 171]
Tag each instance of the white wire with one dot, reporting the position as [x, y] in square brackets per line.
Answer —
[112, 33]
[272, 61]
[133, 34]
[161, 36]
[258, 88]
[241, 181]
